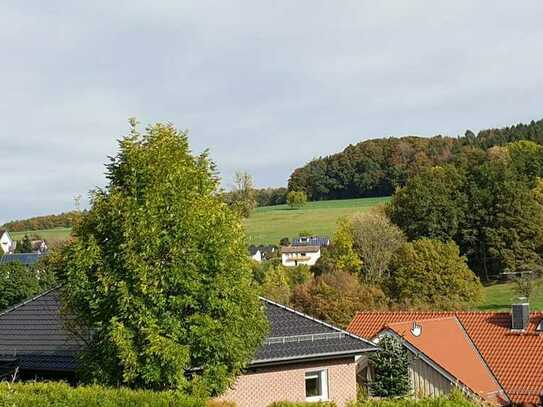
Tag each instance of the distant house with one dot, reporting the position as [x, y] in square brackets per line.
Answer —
[39, 246]
[495, 356]
[297, 255]
[322, 241]
[26, 259]
[255, 253]
[302, 359]
[6, 242]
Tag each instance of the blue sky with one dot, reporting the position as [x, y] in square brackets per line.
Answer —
[265, 85]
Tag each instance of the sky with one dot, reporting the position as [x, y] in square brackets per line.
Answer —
[265, 85]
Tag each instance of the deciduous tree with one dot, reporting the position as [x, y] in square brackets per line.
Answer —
[336, 297]
[296, 199]
[159, 270]
[430, 274]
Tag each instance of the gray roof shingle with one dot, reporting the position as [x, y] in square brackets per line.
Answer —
[296, 336]
[33, 332]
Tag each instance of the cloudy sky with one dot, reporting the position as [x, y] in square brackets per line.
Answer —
[266, 85]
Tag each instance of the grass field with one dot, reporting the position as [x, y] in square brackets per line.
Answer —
[268, 224]
[499, 297]
[56, 234]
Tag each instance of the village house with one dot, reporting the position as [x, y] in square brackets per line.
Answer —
[255, 253]
[494, 356]
[6, 242]
[292, 256]
[302, 358]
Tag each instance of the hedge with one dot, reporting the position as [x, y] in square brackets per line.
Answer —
[301, 404]
[58, 394]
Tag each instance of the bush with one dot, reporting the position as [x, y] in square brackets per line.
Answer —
[454, 399]
[58, 394]
[301, 404]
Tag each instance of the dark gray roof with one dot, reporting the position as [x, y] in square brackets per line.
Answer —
[311, 241]
[27, 259]
[33, 333]
[296, 336]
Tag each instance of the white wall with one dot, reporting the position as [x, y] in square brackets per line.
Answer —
[5, 242]
[295, 259]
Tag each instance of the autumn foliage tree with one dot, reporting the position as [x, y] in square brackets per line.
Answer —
[336, 297]
[158, 269]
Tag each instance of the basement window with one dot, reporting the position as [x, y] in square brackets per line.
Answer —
[316, 385]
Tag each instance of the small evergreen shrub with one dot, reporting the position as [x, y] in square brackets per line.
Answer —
[58, 394]
[391, 367]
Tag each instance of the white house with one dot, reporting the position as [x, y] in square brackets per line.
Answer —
[296, 255]
[255, 253]
[6, 242]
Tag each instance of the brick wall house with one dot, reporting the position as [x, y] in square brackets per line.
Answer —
[301, 359]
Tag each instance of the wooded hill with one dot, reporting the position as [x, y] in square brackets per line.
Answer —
[63, 220]
[376, 167]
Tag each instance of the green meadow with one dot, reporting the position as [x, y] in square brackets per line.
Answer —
[268, 224]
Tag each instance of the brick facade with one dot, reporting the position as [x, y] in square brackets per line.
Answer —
[262, 387]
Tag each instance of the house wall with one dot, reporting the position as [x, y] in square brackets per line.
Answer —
[293, 259]
[427, 381]
[5, 242]
[264, 386]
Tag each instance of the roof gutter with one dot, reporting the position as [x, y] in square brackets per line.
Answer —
[309, 358]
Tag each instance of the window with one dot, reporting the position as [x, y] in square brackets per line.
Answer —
[316, 385]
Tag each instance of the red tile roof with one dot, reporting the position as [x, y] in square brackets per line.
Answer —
[516, 359]
[445, 342]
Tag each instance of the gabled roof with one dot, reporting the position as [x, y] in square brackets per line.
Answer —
[515, 358]
[296, 336]
[33, 333]
[445, 343]
[27, 259]
[300, 249]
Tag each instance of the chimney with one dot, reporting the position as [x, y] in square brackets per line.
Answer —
[520, 314]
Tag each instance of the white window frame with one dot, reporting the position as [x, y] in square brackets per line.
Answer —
[322, 374]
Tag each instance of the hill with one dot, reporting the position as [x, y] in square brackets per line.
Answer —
[268, 224]
[376, 167]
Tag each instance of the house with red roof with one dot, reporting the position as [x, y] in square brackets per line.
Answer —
[494, 356]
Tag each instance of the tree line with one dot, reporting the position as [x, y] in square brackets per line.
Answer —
[377, 167]
[63, 220]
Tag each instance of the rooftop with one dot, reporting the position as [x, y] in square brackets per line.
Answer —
[26, 259]
[515, 358]
[34, 333]
[300, 249]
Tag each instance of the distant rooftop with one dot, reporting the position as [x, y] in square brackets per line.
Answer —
[311, 241]
[27, 259]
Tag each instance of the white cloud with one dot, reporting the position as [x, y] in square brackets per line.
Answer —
[265, 85]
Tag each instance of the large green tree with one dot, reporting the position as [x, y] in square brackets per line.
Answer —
[430, 274]
[503, 227]
[19, 282]
[158, 271]
[432, 204]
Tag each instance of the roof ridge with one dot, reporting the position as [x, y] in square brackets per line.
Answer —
[472, 343]
[27, 301]
[318, 321]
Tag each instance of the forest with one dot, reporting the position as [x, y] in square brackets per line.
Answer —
[376, 167]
